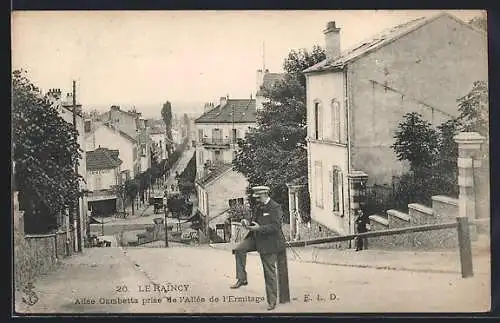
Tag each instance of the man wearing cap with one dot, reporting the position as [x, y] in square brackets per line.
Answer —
[266, 237]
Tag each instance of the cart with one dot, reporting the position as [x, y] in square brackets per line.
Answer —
[158, 204]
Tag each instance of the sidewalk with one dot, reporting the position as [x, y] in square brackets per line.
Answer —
[418, 261]
[96, 275]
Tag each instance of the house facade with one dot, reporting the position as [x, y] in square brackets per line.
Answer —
[104, 175]
[215, 190]
[133, 125]
[158, 139]
[218, 130]
[355, 100]
[106, 136]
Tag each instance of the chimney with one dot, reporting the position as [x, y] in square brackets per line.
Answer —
[223, 101]
[208, 107]
[332, 40]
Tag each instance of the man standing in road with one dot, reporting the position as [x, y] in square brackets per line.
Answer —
[266, 237]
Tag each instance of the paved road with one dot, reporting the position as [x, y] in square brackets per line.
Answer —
[145, 214]
[199, 275]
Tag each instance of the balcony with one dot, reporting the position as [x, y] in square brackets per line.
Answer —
[217, 143]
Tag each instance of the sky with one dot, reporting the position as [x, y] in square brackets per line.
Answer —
[144, 58]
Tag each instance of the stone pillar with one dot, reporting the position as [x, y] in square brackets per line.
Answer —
[293, 208]
[469, 145]
[357, 198]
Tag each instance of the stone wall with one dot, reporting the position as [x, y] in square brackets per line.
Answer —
[444, 210]
[35, 254]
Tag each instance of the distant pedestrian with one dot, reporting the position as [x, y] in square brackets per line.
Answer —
[360, 223]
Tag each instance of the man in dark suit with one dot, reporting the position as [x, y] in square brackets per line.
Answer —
[266, 237]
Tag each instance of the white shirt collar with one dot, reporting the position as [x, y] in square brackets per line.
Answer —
[267, 201]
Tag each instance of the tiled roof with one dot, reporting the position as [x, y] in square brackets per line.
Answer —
[270, 79]
[379, 40]
[214, 174]
[102, 158]
[244, 112]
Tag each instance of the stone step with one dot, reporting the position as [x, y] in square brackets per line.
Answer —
[398, 219]
[445, 206]
[420, 214]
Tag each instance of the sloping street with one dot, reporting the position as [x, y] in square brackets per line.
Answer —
[184, 279]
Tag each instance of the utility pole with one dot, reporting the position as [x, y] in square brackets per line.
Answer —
[78, 217]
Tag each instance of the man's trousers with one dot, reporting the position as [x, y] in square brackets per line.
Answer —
[268, 265]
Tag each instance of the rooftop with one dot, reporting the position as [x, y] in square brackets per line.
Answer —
[244, 112]
[214, 173]
[379, 40]
[102, 158]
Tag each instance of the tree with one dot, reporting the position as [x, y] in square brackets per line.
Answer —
[46, 153]
[166, 114]
[275, 152]
[416, 142]
[187, 125]
[473, 109]
[131, 190]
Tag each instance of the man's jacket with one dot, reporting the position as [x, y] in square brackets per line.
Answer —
[269, 238]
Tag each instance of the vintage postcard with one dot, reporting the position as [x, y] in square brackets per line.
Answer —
[249, 162]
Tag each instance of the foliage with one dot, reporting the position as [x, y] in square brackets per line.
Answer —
[166, 114]
[417, 142]
[238, 212]
[46, 151]
[473, 108]
[433, 153]
[187, 124]
[131, 188]
[275, 153]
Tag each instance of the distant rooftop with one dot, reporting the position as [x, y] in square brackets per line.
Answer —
[244, 112]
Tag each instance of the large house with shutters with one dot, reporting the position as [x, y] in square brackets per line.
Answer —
[103, 176]
[356, 98]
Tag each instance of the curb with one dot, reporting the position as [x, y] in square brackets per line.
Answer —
[371, 266]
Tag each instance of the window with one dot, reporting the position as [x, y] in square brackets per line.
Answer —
[318, 183]
[234, 154]
[200, 135]
[143, 150]
[335, 122]
[234, 135]
[337, 194]
[134, 153]
[217, 135]
[317, 121]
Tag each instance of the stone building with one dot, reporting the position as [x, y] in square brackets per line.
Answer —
[356, 98]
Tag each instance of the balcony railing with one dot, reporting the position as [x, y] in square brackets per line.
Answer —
[217, 142]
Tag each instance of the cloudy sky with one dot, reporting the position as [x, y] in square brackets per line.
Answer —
[144, 58]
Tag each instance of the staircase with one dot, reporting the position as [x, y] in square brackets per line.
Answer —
[444, 210]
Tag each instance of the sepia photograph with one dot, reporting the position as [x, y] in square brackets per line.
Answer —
[250, 162]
